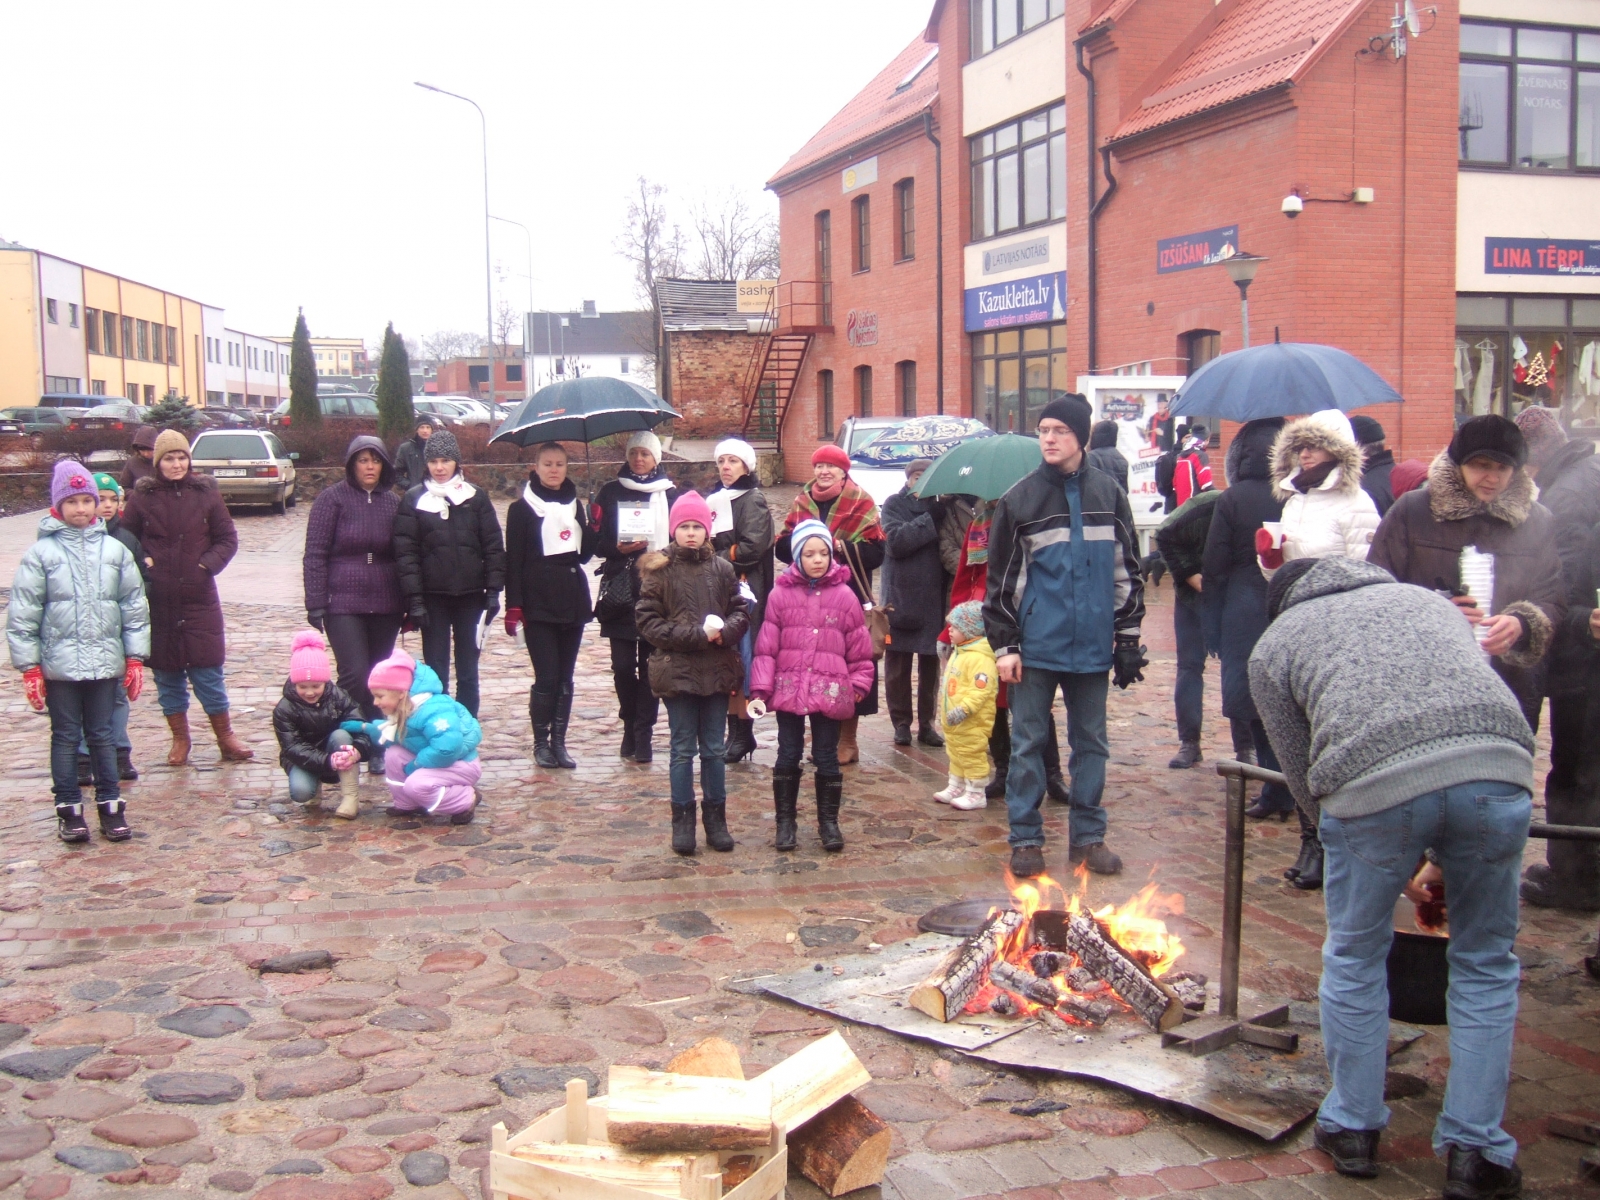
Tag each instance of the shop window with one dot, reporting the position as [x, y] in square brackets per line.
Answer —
[1530, 97]
[1515, 351]
[906, 385]
[863, 391]
[1019, 173]
[996, 22]
[905, 209]
[91, 330]
[1016, 372]
[1201, 346]
[825, 426]
[824, 265]
[861, 233]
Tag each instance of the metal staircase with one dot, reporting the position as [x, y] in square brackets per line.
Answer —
[790, 325]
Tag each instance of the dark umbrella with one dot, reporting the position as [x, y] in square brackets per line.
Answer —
[1281, 380]
[982, 467]
[583, 410]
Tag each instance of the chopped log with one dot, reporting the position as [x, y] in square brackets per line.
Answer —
[1191, 989]
[1021, 983]
[1047, 964]
[842, 1149]
[1096, 1012]
[957, 979]
[713, 1056]
[812, 1079]
[1003, 1005]
[663, 1174]
[737, 1169]
[659, 1111]
[1156, 1003]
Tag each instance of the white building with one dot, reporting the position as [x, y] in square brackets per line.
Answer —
[613, 345]
[243, 370]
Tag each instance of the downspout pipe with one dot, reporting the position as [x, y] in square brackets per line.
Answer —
[938, 257]
[1095, 205]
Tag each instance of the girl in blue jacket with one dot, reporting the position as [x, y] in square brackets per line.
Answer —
[430, 743]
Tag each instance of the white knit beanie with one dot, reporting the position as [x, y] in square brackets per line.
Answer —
[648, 440]
[740, 449]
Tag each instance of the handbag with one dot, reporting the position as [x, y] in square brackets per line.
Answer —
[876, 616]
[618, 594]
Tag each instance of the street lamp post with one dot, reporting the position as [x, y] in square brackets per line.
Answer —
[488, 269]
[527, 330]
[1242, 269]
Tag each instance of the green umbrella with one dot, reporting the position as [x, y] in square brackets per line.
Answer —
[982, 467]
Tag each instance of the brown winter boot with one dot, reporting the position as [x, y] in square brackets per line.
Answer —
[179, 754]
[233, 750]
[849, 752]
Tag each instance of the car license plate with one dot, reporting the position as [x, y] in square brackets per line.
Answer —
[229, 472]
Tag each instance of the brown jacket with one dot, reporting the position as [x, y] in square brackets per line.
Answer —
[1421, 538]
[677, 589]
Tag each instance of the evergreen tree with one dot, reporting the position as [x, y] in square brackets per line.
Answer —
[173, 412]
[304, 411]
[393, 394]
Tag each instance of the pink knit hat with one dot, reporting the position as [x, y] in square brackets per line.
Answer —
[395, 672]
[690, 506]
[308, 658]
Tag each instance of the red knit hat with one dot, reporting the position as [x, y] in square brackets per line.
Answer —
[308, 658]
[829, 453]
[690, 506]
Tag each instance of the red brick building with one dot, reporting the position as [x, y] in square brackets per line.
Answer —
[705, 357]
[470, 377]
[1096, 160]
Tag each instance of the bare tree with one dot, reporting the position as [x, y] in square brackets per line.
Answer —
[439, 348]
[733, 241]
[506, 318]
[654, 245]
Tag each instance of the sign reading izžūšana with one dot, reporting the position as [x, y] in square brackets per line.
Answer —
[1028, 301]
[1190, 250]
[1540, 256]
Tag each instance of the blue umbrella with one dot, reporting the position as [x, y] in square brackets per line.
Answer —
[919, 437]
[1281, 380]
[583, 410]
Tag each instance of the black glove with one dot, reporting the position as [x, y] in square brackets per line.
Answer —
[491, 604]
[418, 612]
[1128, 662]
[315, 617]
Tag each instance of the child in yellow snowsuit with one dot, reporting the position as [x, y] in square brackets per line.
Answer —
[970, 685]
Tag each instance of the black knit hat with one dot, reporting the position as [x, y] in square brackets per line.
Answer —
[442, 445]
[1490, 436]
[1368, 430]
[1073, 411]
[1283, 580]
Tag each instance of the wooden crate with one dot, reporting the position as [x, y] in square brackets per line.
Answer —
[582, 1121]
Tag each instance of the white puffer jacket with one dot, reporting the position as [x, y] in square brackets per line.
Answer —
[1335, 518]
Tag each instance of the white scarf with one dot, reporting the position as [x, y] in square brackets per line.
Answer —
[558, 523]
[389, 727]
[658, 489]
[721, 505]
[438, 497]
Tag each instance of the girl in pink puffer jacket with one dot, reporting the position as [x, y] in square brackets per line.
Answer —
[813, 658]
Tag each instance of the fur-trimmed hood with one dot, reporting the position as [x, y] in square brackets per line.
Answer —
[1450, 500]
[654, 560]
[1328, 430]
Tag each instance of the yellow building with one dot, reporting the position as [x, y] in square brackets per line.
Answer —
[65, 327]
[335, 355]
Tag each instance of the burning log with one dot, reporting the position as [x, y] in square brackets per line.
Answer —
[1096, 1012]
[1047, 964]
[1156, 1003]
[843, 1148]
[1191, 989]
[957, 979]
[1003, 1005]
[1019, 982]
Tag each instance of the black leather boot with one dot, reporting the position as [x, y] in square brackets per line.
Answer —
[627, 740]
[113, 820]
[1055, 784]
[785, 802]
[70, 825]
[829, 790]
[1471, 1176]
[1000, 751]
[683, 828]
[741, 740]
[558, 728]
[1308, 867]
[714, 816]
[541, 710]
[643, 751]
[125, 769]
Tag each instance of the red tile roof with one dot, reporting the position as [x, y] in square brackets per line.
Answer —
[879, 106]
[1260, 45]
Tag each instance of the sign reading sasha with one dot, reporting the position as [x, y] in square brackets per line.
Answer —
[1192, 250]
[1540, 256]
[1026, 301]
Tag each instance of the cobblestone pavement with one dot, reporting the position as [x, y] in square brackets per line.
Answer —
[475, 969]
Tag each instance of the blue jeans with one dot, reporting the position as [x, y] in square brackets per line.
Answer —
[1188, 694]
[1478, 831]
[1031, 725]
[303, 784]
[698, 724]
[80, 707]
[172, 687]
[792, 742]
[119, 724]
[454, 617]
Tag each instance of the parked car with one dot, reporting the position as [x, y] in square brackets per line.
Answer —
[36, 422]
[70, 400]
[226, 418]
[880, 482]
[475, 412]
[250, 466]
[335, 406]
[447, 412]
[10, 426]
[119, 414]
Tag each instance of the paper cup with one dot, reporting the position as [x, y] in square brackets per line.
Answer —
[1275, 529]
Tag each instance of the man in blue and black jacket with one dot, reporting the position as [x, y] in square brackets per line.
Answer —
[1062, 609]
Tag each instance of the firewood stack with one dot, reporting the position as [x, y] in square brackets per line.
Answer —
[700, 1131]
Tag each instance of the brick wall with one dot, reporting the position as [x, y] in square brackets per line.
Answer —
[707, 382]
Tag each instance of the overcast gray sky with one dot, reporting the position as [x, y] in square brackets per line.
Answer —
[264, 156]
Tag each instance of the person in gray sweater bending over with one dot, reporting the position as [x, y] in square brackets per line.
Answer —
[1388, 717]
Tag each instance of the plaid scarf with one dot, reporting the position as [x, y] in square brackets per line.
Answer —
[853, 517]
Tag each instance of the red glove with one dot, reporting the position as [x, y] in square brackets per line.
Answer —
[513, 620]
[1271, 556]
[133, 678]
[33, 687]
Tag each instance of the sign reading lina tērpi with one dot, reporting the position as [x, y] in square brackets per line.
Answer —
[1540, 256]
[1190, 250]
[1028, 301]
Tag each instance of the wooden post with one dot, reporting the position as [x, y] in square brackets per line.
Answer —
[578, 1112]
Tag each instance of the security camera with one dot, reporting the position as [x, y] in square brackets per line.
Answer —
[1292, 205]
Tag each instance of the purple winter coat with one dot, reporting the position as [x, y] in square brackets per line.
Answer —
[813, 654]
[349, 559]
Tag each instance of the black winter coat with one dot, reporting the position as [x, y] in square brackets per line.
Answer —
[303, 729]
[748, 545]
[451, 557]
[550, 588]
[1569, 486]
[1234, 590]
[913, 583]
[1181, 538]
[410, 468]
[605, 521]
[1375, 479]
[1109, 459]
